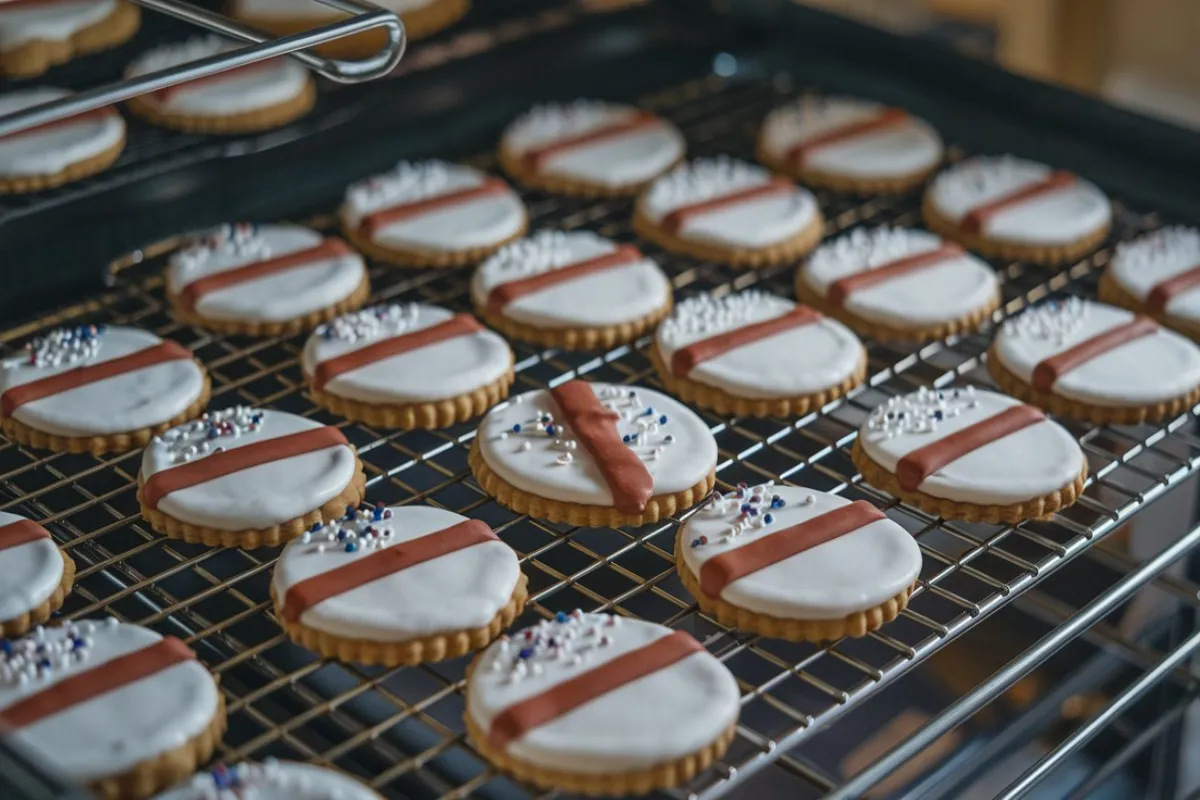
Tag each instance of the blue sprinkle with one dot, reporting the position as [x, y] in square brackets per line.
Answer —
[516, 429]
[77, 643]
[768, 518]
[938, 415]
[45, 664]
[626, 439]
[350, 512]
[745, 507]
[6, 647]
[550, 430]
[561, 616]
[351, 547]
[662, 420]
[377, 514]
[695, 542]
[316, 527]
[526, 652]
[341, 535]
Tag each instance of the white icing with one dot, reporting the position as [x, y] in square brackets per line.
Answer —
[611, 297]
[948, 290]
[802, 360]
[54, 22]
[131, 401]
[270, 780]
[458, 591]
[482, 222]
[1146, 370]
[115, 731]
[29, 573]
[1033, 462]
[544, 469]
[852, 573]
[896, 151]
[1059, 216]
[310, 9]
[661, 717]
[259, 497]
[1142, 264]
[52, 150]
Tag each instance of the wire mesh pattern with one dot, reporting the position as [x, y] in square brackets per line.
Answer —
[401, 729]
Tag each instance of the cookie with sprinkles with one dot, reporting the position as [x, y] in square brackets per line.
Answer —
[1158, 274]
[572, 290]
[270, 780]
[99, 389]
[112, 707]
[597, 704]
[721, 209]
[38, 34]
[392, 586]
[899, 284]
[794, 563]
[247, 477]
[35, 575]
[594, 454]
[755, 354]
[970, 454]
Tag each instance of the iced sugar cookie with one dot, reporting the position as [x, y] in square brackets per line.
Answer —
[432, 214]
[600, 705]
[248, 478]
[970, 454]
[57, 152]
[1159, 275]
[392, 586]
[407, 366]
[1007, 207]
[35, 576]
[37, 34]
[793, 563]
[270, 780]
[589, 148]
[256, 97]
[96, 388]
[848, 144]
[756, 354]
[594, 454]
[576, 290]
[899, 284]
[115, 708]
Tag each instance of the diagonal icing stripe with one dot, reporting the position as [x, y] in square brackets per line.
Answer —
[21, 532]
[505, 293]
[886, 118]
[1049, 370]
[977, 217]
[674, 221]
[840, 290]
[372, 223]
[918, 465]
[536, 158]
[1161, 294]
[686, 359]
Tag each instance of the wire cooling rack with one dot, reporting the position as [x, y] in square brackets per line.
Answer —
[401, 729]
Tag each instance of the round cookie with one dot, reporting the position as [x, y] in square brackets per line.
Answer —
[432, 214]
[970, 454]
[113, 707]
[256, 97]
[571, 290]
[594, 454]
[849, 145]
[35, 576]
[97, 389]
[270, 280]
[247, 478]
[59, 152]
[407, 366]
[270, 780]
[38, 34]
[1158, 274]
[755, 354]
[392, 586]
[600, 705]
[1010, 208]
[899, 284]
[793, 563]
[589, 148]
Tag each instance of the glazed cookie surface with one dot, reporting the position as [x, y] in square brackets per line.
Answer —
[35, 576]
[37, 34]
[1159, 273]
[270, 780]
[58, 152]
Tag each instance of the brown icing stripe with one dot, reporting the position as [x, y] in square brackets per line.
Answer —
[1049, 370]
[97, 681]
[505, 293]
[918, 465]
[595, 427]
[977, 217]
[21, 532]
[684, 360]
[536, 158]
[227, 462]
[491, 187]
[771, 548]
[160, 353]
[840, 290]
[541, 709]
[886, 118]
[87, 116]
[169, 92]
[1161, 294]
[381, 563]
[673, 222]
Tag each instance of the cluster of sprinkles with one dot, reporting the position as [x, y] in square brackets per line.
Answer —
[359, 529]
[864, 249]
[38, 656]
[541, 252]
[193, 439]
[751, 506]
[988, 175]
[408, 181]
[920, 412]
[65, 346]
[704, 179]
[568, 637]
[550, 121]
[705, 315]
[799, 110]
[368, 324]
[237, 782]
[176, 53]
[1176, 245]
[1053, 320]
[242, 241]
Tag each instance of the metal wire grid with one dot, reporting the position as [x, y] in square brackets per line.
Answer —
[401, 729]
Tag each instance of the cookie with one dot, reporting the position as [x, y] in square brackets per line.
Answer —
[58, 152]
[247, 478]
[97, 389]
[719, 209]
[35, 576]
[112, 707]
[793, 563]
[849, 145]
[595, 454]
[899, 284]
[596, 704]
[970, 454]
[270, 280]
[407, 366]
[432, 214]
[755, 354]
[256, 97]
[590, 148]
[576, 291]
[1095, 362]
[270, 780]
[37, 34]
[392, 586]
[1158, 275]
[1010, 208]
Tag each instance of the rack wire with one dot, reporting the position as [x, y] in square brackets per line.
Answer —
[401, 729]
